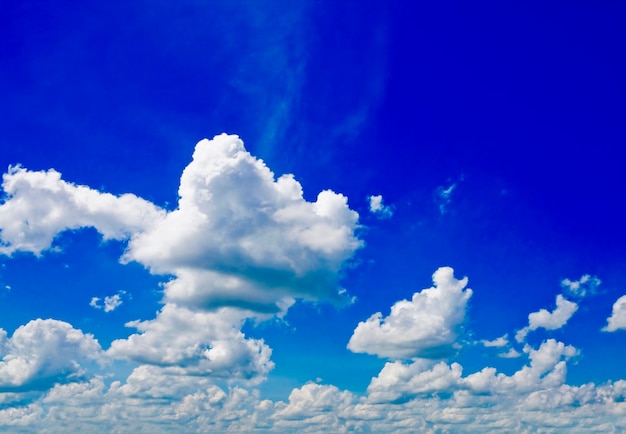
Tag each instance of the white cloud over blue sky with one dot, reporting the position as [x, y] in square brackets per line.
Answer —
[150, 285]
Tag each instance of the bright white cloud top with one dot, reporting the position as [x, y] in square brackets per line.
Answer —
[242, 238]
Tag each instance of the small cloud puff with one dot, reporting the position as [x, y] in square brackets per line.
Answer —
[426, 326]
[586, 285]
[502, 341]
[443, 197]
[617, 320]
[377, 208]
[111, 302]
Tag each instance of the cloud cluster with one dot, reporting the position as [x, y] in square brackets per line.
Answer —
[426, 326]
[586, 285]
[240, 244]
[420, 396]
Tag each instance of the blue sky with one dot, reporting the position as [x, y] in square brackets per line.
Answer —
[312, 217]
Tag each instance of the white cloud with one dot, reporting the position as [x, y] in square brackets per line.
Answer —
[44, 352]
[617, 320]
[111, 302]
[512, 353]
[377, 207]
[502, 341]
[40, 205]
[587, 284]
[549, 320]
[196, 343]
[242, 238]
[239, 237]
[426, 326]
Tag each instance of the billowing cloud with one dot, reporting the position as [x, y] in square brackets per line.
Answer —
[582, 287]
[617, 320]
[193, 343]
[426, 326]
[398, 381]
[549, 320]
[40, 205]
[240, 237]
[44, 352]
[377, 208]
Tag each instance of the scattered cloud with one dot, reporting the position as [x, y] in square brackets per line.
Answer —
[110, 302]
[512, 353]
[549, 320]
[426, 326]
[502, 341]
[617, 320]
[377, 208]
[443, 197]
[586, 285]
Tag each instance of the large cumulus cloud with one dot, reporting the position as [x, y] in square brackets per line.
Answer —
[242, 237]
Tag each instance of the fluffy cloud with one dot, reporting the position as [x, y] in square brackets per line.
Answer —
[40, 205]
[44, 352]
[427, 326]
[377, 207]
[549, 320]
[617, 320]
[240, 237]
[196, 343]
[587, 284]
[398, 382]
